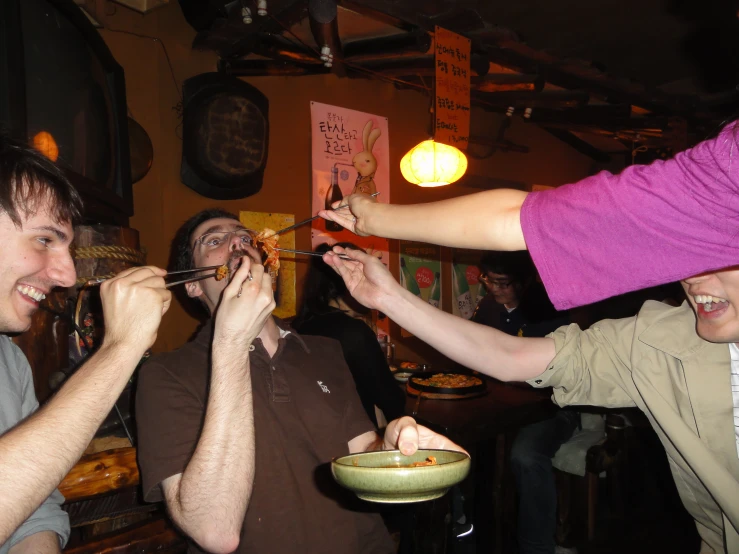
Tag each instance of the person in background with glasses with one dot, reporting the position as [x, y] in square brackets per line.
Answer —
[517, 304]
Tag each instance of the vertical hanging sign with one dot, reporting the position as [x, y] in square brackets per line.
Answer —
[452, 108]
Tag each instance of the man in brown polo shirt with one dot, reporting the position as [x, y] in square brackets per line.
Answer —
[237, 426]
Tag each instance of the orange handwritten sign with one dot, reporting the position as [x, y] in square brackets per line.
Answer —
[452, 108]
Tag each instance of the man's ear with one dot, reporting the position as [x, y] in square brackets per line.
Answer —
[194, 289]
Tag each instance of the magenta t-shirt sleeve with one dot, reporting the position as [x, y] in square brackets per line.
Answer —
[651, 224]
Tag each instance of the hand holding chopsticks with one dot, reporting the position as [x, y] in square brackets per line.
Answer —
[355, 218]
[299, 223]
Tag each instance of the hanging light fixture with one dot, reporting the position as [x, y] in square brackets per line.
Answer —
[433, 164]
[44, 142]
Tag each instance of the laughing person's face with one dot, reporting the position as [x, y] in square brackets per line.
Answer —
[715, 299]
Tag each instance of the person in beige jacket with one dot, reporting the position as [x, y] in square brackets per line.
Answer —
[674, 363]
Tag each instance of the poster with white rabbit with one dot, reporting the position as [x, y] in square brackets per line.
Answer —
[351, 154]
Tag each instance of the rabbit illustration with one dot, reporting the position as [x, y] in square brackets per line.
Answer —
[365, 162]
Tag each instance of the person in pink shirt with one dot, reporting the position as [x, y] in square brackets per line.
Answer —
[602, 236]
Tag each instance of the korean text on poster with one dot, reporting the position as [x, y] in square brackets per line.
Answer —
[452, 109]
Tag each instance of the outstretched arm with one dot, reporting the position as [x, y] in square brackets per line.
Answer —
[487, 220]
[37, 454]
[475, 346]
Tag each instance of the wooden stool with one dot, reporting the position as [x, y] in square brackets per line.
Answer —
[604, 457]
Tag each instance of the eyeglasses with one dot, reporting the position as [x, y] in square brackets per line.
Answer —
[495, 283]
[216, 239]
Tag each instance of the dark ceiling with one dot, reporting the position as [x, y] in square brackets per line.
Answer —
[662, 73]
[655, 42]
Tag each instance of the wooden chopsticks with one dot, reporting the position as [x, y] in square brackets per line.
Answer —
[168, 285]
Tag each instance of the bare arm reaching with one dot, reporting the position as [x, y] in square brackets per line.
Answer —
[476, 346]
[487, 220]
[37, 454]
[206, 503]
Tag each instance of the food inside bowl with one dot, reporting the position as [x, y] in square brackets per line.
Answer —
[449, 381]
[402, 376]
[429, 461]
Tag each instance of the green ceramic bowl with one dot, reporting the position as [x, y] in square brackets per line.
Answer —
[385, 476]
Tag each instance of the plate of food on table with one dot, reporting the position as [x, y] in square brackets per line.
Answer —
[445, 386]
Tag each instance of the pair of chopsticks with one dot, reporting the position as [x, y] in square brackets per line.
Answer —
[168, 285]
[309, 253]
[191, 279]
[299, 223]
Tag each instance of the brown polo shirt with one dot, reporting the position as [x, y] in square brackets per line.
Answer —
[306, 410]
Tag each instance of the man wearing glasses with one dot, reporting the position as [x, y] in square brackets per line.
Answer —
[517, 305]
[237, 427]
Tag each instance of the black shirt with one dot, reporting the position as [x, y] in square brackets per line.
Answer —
[305, 412]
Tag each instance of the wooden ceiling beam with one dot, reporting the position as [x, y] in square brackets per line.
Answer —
[268, 68]
[406, 15]
[580, 145]
[579, 118]
[521, 57]
[278, 47]
[500, 82]
[403, 45]
[530, 99]
[422, 65]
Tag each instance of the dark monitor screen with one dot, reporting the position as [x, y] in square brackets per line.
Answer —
[66, 93]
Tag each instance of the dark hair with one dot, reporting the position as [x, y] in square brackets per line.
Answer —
[517, 265]
[28, 178]
[322, 284]
[181, 254]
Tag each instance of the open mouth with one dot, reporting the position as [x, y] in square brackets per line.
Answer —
[710, 306]
[236, 259]
[30, 293]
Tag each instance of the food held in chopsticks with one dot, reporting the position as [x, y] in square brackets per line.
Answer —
[222, 272]
[266, 242]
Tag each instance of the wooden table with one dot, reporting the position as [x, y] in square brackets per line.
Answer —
[486, 426]
[468, 422]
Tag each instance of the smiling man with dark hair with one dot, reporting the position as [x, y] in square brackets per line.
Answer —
[38, 207]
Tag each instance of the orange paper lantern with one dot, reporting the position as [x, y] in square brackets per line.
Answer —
[45, 143]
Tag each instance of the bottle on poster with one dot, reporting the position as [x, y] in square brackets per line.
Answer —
[407, 280]
[435, 293]
[332, 195]
[461, 291]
